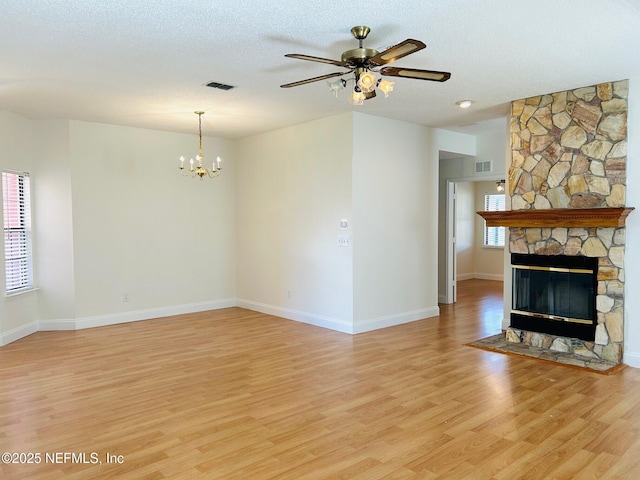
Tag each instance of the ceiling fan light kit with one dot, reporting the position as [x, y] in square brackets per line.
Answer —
[365, 63]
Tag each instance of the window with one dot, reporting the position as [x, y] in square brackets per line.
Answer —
[494, 236]
[17, 231]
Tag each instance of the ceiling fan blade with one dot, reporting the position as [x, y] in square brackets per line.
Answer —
[314, 79]
[400, 50]
[416, 73]
[315, 59]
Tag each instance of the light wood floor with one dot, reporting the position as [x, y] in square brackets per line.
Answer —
[234, 394]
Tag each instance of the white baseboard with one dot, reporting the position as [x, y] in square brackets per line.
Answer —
[18, 333]
[298, 316]
[135, 316]
[480, 276]
[57, 325]
[340, 325]
[395, 319]
[632, 359]
[111, 319]
[138, 315]
[489, 276]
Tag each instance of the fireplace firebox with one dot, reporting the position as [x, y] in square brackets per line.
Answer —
[555, 294]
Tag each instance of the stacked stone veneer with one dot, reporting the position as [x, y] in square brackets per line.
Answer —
[569, 150]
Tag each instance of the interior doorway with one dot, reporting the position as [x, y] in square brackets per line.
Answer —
[461, 236]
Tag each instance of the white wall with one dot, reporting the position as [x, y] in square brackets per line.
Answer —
[19, 313]
[493, 146]
[54, 262]
[488, 261]
[632, 252]
[465, 230]
[395, 222]
[453, 142]
[112, 215]
[142, 229]
[294, 187]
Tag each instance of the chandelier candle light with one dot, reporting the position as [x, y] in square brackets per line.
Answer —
[199, 170]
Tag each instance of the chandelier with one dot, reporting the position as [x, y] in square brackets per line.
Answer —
[366, 82]
[196, 169]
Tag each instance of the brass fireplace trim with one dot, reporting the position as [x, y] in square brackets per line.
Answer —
[553, 269]
[558, 217]
[553, 317]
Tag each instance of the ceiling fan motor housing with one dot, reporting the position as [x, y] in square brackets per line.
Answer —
[358, 57]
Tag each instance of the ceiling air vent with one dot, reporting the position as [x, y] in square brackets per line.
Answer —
[220, 86]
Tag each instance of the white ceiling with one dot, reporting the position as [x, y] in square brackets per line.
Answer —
[145, 63]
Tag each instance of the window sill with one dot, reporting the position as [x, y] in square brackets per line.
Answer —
[494, 247]
[19, 293]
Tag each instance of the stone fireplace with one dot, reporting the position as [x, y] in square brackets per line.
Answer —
[567, 185]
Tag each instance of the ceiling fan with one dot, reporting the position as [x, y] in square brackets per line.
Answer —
[364, 62]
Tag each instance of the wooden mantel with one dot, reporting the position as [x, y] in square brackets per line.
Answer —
[558, 217]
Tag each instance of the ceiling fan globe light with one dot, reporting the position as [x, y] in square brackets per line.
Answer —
[357, 98]
[386, 86]
[367, 82]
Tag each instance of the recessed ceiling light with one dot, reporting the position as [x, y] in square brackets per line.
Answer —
[464, 103]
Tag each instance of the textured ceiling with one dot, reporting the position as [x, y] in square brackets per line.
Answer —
[144, 64]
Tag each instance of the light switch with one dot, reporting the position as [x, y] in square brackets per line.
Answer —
[344, 240]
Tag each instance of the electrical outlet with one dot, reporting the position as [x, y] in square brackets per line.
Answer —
[125, 297]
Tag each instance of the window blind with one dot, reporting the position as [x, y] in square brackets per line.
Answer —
[494, 236]
[16, 208]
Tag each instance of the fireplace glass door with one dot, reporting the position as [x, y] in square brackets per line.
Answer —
[559, 293]
[554, 294]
